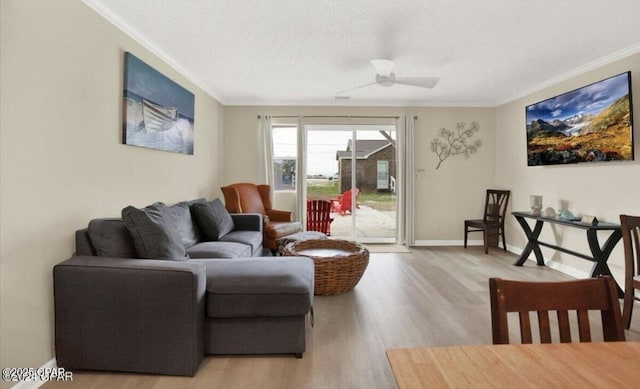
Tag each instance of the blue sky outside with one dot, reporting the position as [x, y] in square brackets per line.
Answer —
[322, 143]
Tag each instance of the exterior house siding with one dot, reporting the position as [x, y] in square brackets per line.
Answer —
[367, 169]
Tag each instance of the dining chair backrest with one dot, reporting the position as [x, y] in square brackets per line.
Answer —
[582, 296]
[630, 226]
[495, 206]
[631, 241]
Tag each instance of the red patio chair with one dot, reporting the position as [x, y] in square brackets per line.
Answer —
[342, 204]
[318, 216]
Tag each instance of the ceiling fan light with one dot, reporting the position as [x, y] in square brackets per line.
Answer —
[384, 67]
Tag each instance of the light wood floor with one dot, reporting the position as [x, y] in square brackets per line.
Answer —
[435, 296]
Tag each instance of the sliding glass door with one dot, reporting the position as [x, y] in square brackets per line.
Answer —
[354, 168]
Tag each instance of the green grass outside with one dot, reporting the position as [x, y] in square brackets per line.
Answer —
[325, 190]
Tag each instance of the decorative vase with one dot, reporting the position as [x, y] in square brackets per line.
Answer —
[549, 212]
[535, 202]
[566, 215]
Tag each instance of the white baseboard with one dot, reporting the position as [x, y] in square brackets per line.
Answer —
[448, 243]
[52, 364]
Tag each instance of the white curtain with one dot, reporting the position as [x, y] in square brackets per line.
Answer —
[301, 169]
[267, 150]
[406, 187]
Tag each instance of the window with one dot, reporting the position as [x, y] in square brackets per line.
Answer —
[285, 156]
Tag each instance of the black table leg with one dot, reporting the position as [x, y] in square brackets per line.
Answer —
[532, 244]
[601, 256]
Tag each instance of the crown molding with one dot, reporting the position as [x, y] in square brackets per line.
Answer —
[598, 63]
[134, 34]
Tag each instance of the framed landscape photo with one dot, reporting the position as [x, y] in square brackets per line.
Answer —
[590, 124]
[158, 113]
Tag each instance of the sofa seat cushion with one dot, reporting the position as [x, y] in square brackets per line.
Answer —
[251, 238]
[275, 230]
[248, 287]
[219, 250]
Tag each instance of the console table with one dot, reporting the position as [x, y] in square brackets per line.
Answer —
[599, 255]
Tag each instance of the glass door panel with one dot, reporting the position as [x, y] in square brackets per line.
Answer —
[363, 205]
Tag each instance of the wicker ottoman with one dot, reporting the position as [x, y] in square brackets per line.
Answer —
[339, 264]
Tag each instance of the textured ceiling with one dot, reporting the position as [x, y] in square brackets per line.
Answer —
[303, 52]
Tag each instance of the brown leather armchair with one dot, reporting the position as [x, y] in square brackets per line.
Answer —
[251, 198]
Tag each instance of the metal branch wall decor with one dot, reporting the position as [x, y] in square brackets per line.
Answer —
[450, 143]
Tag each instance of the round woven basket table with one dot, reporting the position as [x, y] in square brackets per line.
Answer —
[339, 264]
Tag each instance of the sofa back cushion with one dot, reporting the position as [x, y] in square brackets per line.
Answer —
[110, 238]
[179, 216]
[213, 219]
[153, 233]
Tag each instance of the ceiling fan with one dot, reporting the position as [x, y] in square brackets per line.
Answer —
[386, 77]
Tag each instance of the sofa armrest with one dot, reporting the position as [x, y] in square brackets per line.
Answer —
[279, 216]
[133, 315]
[247, 221]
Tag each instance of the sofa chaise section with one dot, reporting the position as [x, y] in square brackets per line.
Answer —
[250, 298]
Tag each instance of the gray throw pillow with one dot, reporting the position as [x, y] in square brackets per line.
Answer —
[111, 238]
[213, 219]
[179, 216]
[153, 235]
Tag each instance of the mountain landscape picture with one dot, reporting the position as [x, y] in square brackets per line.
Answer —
[590, 124]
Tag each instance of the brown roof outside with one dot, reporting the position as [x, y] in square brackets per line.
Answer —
[364, 148]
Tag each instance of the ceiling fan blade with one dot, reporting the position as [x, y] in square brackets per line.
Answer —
[384, 67]
[423, 82]
[357, 87]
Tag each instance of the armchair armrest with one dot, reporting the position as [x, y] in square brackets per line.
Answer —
[134, 315]
[279, 216]
[247, 221]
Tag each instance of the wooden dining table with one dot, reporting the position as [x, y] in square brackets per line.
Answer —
[556, 365]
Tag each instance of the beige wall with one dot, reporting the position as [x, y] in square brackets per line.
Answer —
[459, 182]
[62, 162]
[603, 189]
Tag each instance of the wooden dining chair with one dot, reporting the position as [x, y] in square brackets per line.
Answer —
[581, 296]
[492, 223]
[630, 231]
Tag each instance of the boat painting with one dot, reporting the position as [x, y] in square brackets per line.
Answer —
[158, 113]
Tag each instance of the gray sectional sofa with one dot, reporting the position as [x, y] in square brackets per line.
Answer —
[155, 291]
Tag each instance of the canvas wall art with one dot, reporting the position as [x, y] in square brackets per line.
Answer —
[589, 124]
[158, 113]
